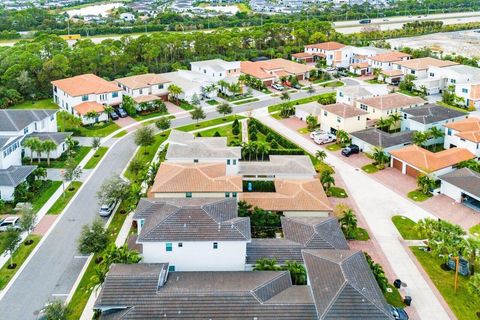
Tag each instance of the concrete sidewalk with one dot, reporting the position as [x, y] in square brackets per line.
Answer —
[378, 204]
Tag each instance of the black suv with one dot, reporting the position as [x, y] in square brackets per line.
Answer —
[351, 149]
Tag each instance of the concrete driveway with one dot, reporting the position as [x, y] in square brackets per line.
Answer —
[378, 204]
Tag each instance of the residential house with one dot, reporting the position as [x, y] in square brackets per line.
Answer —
[429, 116]
[60, 140]
[414, 160]
[342, 116]
[193, 180]
[201, 234]
[303, 57]
[302, 111]
[11, 177]
[330, 51]
[295, 198]
[349, 94]
[369, 139]
[145, 87]
[184, 147]
[127, 16]
[419, 67]
[286, 167]
[391, 76]
[298, 234]
[270, 71]
[217, 69]
[152, 291]
[359, 68]
[383, 106]
[385, 61]
[463, 186]
[463, 134]
[83, 94]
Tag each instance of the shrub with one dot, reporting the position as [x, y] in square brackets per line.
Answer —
[217, 134]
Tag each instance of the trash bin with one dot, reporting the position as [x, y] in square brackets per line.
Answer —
[408, 300]
[397, 283]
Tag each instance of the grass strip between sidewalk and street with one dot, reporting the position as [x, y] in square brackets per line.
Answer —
[19, 257]
[95, 159]
[65, 198]
[42, 197]
[277, 107]
[406, 227]
[209, 123]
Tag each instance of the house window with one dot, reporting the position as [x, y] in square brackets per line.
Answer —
[141, 91]
[325, 113]
[358, 118]
[432, 74]
[363, 107]
[25, 131]
[228, 161]
[413, 72]
[168, 246]
[339, 120]
[195, 160]
[85, 98]
[405, 116]
[234, 161]
[215, 245]
[115, 95]
[171, 268]
[449, 132]
[227, 194]
[234, 194]
[188, 194]
[180, 244]
[464, 90]
[453, 81]
[160, 86]
[340, 94]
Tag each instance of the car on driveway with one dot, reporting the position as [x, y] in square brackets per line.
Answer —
[351, 149]
[278, 87]
[121, 113]
[9, 222]
[325, 138]
[107, 209]
[316, 133]
[398, 313]
[114, 115]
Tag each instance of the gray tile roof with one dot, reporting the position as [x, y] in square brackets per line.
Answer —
[343, 285]
[185, 145]
[278, 164]
[202, 295]
[382, 139]
[14, 175]
[15, 120]
[57, 137]
[6, 141]
[465, 179]
[192, 219]
[431, 113]
[299, 233]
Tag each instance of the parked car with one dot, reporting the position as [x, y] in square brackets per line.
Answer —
[121, 113]
[277, 86]
[325, 138]
[107, 209]
[296, 86]
[398, 313]
[9, 222]
[331, 69]
[315, 133]
[351, 149]
[114, 115]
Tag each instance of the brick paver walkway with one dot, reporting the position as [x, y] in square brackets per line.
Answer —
[44, 225]
[172, 108]
[124, 122]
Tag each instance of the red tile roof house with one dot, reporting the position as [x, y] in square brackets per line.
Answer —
[330, 51]
[463, 134]
[414, 160]
[86, 93]
[270, 71]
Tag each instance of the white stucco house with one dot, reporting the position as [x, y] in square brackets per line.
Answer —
[463, 134]
[302, 111]
[369, 139]
[350, 94]
[202, 234]
[342, 116]
[463, 186]
[145, 87]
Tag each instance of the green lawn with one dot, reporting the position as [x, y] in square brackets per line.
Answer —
[98, 155]
[303, 130]
[277, 107]
[475, 230]
[337, 192]
[406, 227]
[418, 196]
[394, 298]
[80, 153]
[246, 101]
[361, 234]
[209, 123]
[120, 134]
[185, 105]
[212, 102]
[62, 202]
[40, 104]
[224, 131]
[443, 104]
[43, 195]
[333, 84]
[334, 147]
[370, 168]
[97, 130]
[461, 302]
[19, 257]
[145, 155]
[140, 117]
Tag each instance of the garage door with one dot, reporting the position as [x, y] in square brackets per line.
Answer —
[412, 172]
[397, 164]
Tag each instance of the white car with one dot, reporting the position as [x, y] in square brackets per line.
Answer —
[316, 133]
[278, 86]
[10, 222]
[324, 139]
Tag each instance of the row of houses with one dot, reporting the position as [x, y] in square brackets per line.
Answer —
[81, 95]
[198, 254]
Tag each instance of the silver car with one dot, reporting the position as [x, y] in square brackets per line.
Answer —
[9, 222]
[106, 209]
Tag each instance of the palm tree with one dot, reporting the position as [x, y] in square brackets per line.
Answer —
[174, 91]
[435, 133]
[343, 137]
[348, 223]
[419, 138]
[249, 148]
[263, 148]
[123, 254]
[425, 183]
[33, 144]
[108, 110]
[48, 146]
[327, 181]
[297, 272]
[223, 85]
[380, 157]
[91, 115]
[39, 150]
[394, 119]
[285, 96]
[265, 265]
[320, 155]
[383, 124]
[235, 88]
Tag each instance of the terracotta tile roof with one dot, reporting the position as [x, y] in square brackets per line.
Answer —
[291, 195]
[302, 55]
[429, 161]
[360, 65]
[87, 106]
[145, 98]
[344, 110]
[331, 45]
[392, 101]
[425, 63]
[469, 129]
[85, 84]
[264, 69]
[390, 56]
[142, 80]
[197, 177]
[392, 73]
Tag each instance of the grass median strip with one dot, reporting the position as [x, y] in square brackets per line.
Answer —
[406, 227]
[42, 197]
[19, 257]
[277, 107]
[245, 101]
[65, 198]
[92, 163]
[209, 123]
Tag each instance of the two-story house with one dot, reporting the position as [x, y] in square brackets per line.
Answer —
[350, 94]
[463, 134]
[386, 105]
[270, 71]
[145, 87]
[342, 116]
[199, 234]
[331, 51]
[81, 95]
[385, 61]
